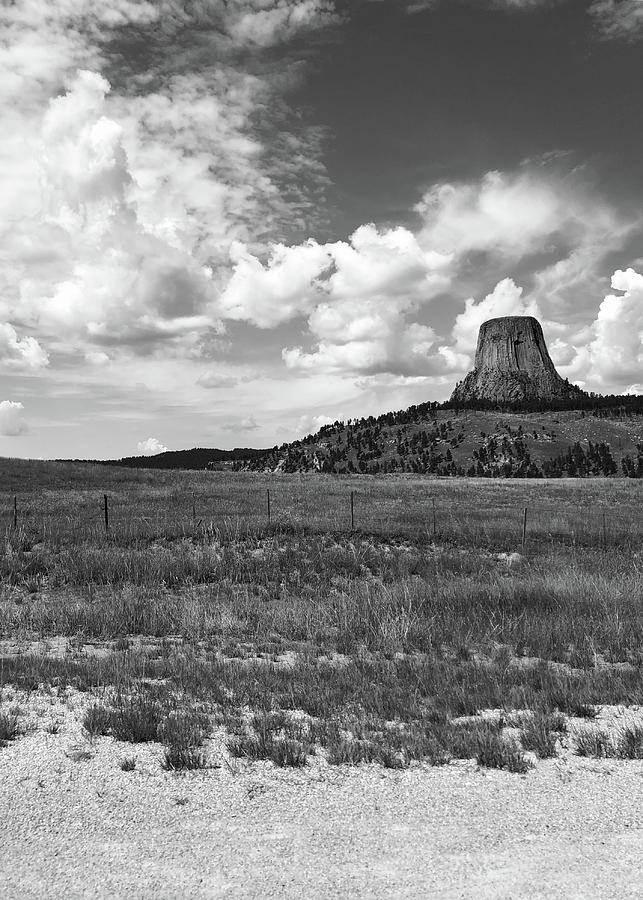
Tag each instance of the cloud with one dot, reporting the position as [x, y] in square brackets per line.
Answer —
[510, 214]
[12, 421]
[506, 299]
[309, 424]
[264, 24]
[365, 308]
[618, 19]
[249, 423]
[20, 354]
[212, 379]
[616, 348]
[122, 199]
[150, 447]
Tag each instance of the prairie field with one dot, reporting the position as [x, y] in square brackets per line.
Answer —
[402, 639]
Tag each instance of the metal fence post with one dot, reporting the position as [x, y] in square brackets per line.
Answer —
[106, 511]
[352, 510]
[524, 527]
[268, 495]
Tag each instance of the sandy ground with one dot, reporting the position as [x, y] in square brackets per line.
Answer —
[72, 826]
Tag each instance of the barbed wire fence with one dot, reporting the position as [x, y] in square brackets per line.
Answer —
[526, 526]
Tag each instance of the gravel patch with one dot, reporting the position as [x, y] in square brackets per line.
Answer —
[75, 825]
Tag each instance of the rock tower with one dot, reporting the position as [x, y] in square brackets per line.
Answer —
[513, 365]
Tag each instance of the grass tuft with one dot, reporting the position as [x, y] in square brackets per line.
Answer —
[538, 735]
[594, 742]
[9, 728]
[497, 752]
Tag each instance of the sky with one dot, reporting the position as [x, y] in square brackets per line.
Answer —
[229, 222]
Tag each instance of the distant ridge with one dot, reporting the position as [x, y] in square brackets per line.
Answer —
[197, 458]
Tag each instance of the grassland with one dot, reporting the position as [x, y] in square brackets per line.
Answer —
[393, 642]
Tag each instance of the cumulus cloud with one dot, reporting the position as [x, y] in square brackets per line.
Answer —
[122, 203]
[308, 424]
[20, 353]
[150, 447]
[506, 299]
[12, 421]
[363, 298]
[510, 214]
[616, 350]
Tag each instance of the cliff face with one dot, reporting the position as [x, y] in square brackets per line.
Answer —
[512, 365]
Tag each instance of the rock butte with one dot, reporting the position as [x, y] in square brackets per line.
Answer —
[513, 365]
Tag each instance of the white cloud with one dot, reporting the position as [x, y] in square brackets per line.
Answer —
[21, 354]
[308, 424]
[12, 421]
[510, 215]
[616, 350]
[618, 19]
[150, 447]
[249, 423]
[213, 379]
[268, 22]
[506, 299]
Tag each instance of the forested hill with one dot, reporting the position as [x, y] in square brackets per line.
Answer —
[596, 436]
[197, 458]
[438, 440]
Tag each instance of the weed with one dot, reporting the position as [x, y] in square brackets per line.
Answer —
[128, 763]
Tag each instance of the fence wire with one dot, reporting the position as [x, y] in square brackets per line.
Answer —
[89, 515]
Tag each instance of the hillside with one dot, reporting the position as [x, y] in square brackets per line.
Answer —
[435, 440]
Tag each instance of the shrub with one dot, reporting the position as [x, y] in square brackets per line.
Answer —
[128, 764]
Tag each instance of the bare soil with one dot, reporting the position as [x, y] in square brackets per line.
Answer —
[75, 825]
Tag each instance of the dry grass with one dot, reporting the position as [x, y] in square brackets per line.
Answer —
[379, 642]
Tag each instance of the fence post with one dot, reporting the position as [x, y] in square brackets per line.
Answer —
[352, 510]
[15, 512]
[268, 495]
[604, 531]
[435, 530]
[524, 527]
[106, 510]
[193, 510]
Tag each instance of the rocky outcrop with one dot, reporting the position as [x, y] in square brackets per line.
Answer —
[513, 365]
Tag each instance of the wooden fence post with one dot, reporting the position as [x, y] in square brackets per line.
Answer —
[106, 510]
[352, 510]
[604, 531]
[524, 527]
[268, 495]
[435, 529]
[15, 512]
